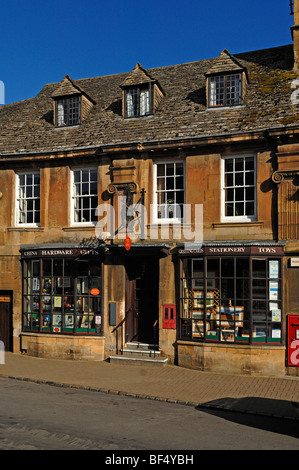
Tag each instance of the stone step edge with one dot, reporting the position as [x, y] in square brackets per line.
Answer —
[144, 352]
[144, 359]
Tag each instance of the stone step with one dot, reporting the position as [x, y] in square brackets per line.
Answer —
[132, 360]
[136, 353]
[140, 352]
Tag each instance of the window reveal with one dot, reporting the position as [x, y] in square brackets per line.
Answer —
[56, 299]
[234, 299]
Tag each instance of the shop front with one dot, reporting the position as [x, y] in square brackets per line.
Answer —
[62, 303]
[231, 308]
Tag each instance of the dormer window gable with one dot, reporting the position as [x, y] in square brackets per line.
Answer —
[226, 82]
[71, 104]
[141, 94]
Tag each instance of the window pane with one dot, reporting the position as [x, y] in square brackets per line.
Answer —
[160, 170]
[229, 164]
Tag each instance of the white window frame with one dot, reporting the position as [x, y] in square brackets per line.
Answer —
[236, 218]
[155, 217]
[27, 198]
[74, 196]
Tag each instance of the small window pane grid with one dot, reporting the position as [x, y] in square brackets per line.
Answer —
[138, 102]
[68, 111]
[85, 195]
[28, 200]
[225, 90]
[236, 300]
[239, 187]
[170, 192]
[57, 300]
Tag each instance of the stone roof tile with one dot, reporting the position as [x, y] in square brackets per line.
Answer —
[27, 126]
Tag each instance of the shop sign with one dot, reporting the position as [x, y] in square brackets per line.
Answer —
[58, 253]
[235, 250]
[293, 340]
[94, 291]
[294, 262]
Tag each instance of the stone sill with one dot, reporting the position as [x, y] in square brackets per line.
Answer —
[25, 229]
[237, 224]
[79, 227]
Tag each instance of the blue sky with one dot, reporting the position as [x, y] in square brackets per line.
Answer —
[42, 40]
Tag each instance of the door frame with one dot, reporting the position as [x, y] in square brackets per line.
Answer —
[141, 318]
[6, 311]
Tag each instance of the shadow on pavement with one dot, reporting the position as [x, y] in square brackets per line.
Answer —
[272, 415]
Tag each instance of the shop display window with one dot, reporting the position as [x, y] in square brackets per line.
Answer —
[62, 296]
[231, 299]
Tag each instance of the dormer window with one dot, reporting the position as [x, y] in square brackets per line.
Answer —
[141, 93]
[68, 111]
[138, 101]
[71, 104]
[225, 90]
[226, 82]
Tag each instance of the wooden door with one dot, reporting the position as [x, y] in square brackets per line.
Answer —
[6, 321]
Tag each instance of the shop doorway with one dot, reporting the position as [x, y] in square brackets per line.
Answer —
[6, 320]
[142, 296]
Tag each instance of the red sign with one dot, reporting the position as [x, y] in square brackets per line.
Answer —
[94, 291]
[293, 340]
[127, 242]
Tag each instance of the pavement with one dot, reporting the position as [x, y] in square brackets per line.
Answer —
[265, 396]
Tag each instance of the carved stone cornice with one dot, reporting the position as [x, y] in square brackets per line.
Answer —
[118, 188]
[282, 175]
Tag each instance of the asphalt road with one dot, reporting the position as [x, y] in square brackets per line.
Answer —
[43, 417]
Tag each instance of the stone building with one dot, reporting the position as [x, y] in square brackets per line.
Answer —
[157, 207]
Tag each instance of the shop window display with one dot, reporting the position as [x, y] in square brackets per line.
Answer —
[235, 299]
[62, 296]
